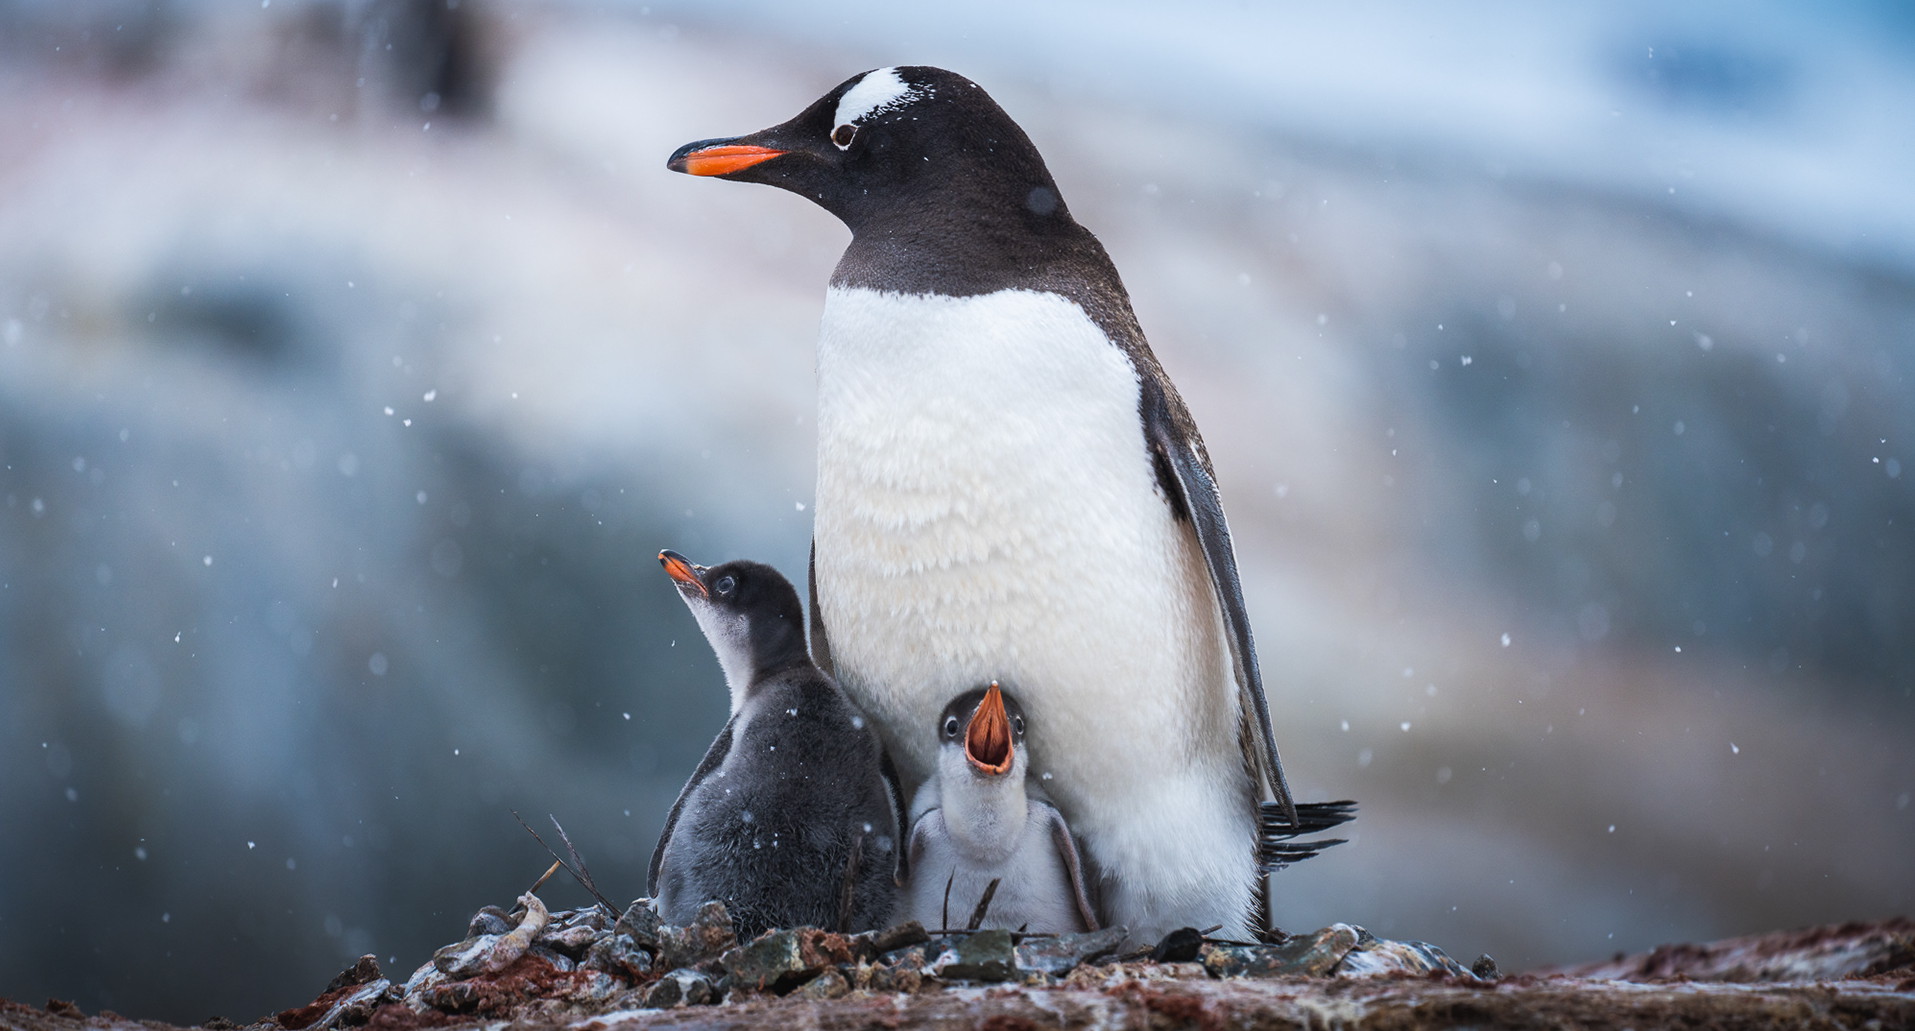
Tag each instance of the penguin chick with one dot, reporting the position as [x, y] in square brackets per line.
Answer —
[976, 821]
[792, 818]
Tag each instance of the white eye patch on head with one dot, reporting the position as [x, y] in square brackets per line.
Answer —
[879, 91]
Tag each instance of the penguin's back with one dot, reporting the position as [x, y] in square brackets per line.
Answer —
[798, 805]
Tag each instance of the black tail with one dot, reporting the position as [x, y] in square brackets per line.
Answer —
[1276, 847]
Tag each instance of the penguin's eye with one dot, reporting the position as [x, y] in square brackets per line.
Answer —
[843, 135]
[950, 726]
[725, 585]
[1017, 723]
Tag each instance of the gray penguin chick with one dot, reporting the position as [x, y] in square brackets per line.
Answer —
[977, 820]
[792, 818]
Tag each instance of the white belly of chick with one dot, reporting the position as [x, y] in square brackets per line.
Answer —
[1034, 890]
[986, 510]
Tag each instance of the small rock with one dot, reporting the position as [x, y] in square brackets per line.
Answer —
[778, 961]
[901, 970]
[356, 1007]
[574, 932]
[1382, 956]
[1056, 956]
[1179, 946]
[705, 938]
[595, 986]
[468, 957]
[1033, 978]
[682, 987]
[489, 920]
[829, 985]
[641, 922]
[338, 1006]
[412, 992]
[983, 956]
[559, 961]
[364, 971]
[451, 997]
[619, 955]
[870, 944]
[1307, 955]
[1485, 968]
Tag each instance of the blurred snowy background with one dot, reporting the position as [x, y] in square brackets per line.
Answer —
[357, 357]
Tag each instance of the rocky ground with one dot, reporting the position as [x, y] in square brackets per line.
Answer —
[584, 969]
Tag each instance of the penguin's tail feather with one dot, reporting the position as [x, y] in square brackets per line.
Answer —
[1276, 844]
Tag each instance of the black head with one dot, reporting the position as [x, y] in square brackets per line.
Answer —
[896, 143]
[749, 612]
[987, 724]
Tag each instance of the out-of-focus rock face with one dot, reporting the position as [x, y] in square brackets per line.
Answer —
[429, 390]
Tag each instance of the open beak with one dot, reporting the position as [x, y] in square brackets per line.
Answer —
[689, 577]
[987, 742]
[719, 157]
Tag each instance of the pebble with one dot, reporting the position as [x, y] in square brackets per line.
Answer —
[704, 939]
[1058, 955]
[829, 985]
[682, 987]
[870, 944]
[778, 961]
[901, 970]
[1375, 956]
[600, 959]
[1179, 946]
[619, 954]
[1306, 955]
[982, 956]
[640, 921]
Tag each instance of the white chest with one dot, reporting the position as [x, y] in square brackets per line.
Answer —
[1034, 888]
[986, 509]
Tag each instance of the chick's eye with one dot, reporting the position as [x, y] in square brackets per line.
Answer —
[843, 135]
[950, 726]
[725, 585]
[1018, 722]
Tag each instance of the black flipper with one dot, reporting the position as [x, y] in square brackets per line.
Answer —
[1184, 472]
[714, 757]
[896, 790]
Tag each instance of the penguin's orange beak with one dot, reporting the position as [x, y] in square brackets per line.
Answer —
[987, 742]
[683, 572]
[719, 157]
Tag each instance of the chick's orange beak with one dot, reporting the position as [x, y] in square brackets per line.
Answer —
[987, 742]
[682, 571]
[722, 159]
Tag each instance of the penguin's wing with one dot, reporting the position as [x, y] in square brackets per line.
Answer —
[714, 757]
[1066, 846]
[920, 835]
[820, 641]
[894, 788]
[1183, 471]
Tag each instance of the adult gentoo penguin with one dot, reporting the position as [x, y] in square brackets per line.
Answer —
[790, 820]
[1009, 486]
[976, 822]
